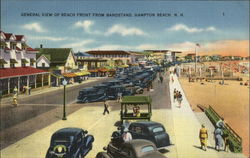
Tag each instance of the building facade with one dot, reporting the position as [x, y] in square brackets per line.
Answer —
[18, 65]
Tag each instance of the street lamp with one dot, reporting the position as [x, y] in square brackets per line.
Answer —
[64, 110]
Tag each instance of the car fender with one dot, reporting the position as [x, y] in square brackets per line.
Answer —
[103, 155]
[89, 139]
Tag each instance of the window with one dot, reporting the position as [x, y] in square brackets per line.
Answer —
[43, 64]
[158, 129]
[23, 64]
[1, 65]
[147, 149]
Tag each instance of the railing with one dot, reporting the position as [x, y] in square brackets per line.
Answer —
[235, 141]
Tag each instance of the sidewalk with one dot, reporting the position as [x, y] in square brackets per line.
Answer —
[186, 128]
[38, 91]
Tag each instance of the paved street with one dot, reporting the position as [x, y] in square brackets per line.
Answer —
[42, 107]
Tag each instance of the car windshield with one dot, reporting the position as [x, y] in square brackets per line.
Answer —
[158, 129]
[147, 149]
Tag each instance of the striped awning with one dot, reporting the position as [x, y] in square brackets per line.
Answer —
[82, 73]
[95, 70]
[69, 75]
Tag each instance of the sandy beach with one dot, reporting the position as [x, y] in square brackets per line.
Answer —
[231, 101]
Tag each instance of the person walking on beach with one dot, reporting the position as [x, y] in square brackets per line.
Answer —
[203, 137]
[106, 106]
[218, 138]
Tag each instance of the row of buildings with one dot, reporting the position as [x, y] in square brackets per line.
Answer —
[22, 65]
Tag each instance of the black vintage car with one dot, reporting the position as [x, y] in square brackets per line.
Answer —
[70, 143]
[91, 95]
[132, 149]
[112, 91]
[150, 130]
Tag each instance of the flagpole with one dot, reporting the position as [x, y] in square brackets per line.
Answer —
[195, 60]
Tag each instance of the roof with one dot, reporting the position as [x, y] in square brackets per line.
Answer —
[19, 37]
[82, 54]
[66, 132]
[55, 55]
[95, 52]
[147, 123]
[19, 71]
[31, 49]
[136, 100]
[7, 35]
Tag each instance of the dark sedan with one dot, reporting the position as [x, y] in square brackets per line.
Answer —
[131, 149]
[150, 130]
[70, 143]
[91, 95]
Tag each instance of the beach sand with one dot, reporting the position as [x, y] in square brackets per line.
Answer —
[231, 101]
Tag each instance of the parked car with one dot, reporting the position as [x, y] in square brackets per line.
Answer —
[101, 86]
[91, 95]
[113, 83]
[112, 91]
[131, 149]
[149, 130]
[70, 143]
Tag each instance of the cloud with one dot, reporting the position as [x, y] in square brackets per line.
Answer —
[86, 26]
[78, 45]
[34, 27]
[125, 31]
[182, 27]
[49, 38]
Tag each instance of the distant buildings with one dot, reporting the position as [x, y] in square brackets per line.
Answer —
[18, 65]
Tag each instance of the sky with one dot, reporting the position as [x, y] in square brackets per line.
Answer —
[220, 27]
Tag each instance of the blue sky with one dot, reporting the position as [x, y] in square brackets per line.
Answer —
[203, 22]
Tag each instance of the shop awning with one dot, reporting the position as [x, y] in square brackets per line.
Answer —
[112, 70]
[13, 61]
[69, 75]
[93, 70]
[123, 66]
[2, 61]
[24, 61]
[82, 73]
[103, 70]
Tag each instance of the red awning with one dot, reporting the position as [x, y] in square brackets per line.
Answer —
[20, 71]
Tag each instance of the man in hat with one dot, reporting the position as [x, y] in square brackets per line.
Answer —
[203, 137]
[126, 135]
[106, 106]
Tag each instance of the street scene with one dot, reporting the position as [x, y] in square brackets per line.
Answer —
[111, 84]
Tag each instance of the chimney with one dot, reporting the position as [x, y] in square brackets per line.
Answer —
[41, 46]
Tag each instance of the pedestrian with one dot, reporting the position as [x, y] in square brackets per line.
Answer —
[119, 97]
[172, 79]
[218, 138]
[29, 89]
[161, 78]
[126, 135]
[203, 137]
[106, 106]
[15, 100]
[226, 142]
[175, 92]
[179, 98]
